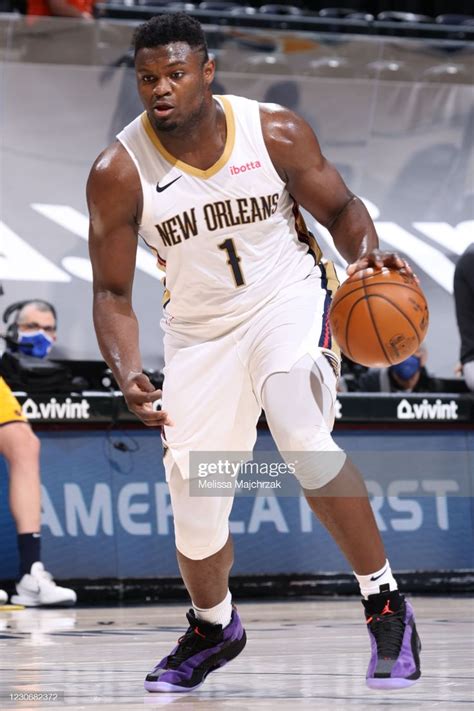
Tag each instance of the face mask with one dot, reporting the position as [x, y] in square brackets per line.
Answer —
[407, 368]
[36, 344]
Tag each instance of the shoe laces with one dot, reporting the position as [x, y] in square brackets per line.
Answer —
[388, 631]
[193, 641]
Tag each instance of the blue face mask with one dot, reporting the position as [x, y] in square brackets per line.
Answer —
[36, 344]
[407, 368]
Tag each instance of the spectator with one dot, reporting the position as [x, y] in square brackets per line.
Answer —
[409, 376]
[34, 329]
[464, 300]
[33, 332]
[350, 374]
[61, 8]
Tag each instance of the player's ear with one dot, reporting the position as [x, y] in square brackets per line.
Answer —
[209, 71]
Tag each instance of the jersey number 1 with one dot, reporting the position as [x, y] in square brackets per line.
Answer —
[233, 261]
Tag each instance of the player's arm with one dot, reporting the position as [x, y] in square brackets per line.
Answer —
[317, 186]
[114, 200]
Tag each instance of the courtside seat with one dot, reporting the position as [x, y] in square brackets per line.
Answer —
[343, 18]
[275, 63]
[452, 19]
[339, 13]
[330, 66]
[407, 17]
[169, 6]
[244, 10]
[339, 51]
[218, 6]
[388, 70]
[279, 9]
[361, 16]
[158, 3]
[447, 73]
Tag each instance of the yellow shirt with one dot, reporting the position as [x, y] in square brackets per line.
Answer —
[10, 408]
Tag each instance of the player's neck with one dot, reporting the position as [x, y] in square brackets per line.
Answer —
[201, 143]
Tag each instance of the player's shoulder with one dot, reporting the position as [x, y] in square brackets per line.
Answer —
[112, 169]
[282, 124]
[112, 161]
[288, 137]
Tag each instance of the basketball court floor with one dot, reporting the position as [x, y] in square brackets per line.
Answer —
[300, 655]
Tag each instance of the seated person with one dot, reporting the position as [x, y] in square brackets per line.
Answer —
[61, 8]
[409, 376]
[35, 331]
[350, 374]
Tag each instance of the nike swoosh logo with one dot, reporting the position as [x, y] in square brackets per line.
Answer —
[164, 187]
[378, 576]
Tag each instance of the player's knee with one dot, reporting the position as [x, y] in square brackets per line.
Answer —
[313, 453]
[201, 523]
[197, 542]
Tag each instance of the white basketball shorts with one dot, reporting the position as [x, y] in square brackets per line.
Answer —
[212, 389]
[213, 393]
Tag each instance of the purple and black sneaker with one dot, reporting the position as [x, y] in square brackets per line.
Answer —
[394, 641]
[203, 649]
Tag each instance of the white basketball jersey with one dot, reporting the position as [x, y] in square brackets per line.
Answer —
[229, 237]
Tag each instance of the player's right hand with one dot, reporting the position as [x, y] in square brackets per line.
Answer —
[140, 394]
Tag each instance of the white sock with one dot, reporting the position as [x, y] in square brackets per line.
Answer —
[380, 581]
[220, 614]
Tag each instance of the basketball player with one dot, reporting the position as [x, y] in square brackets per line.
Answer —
[213, 184]
[35, 327]
[464, 301]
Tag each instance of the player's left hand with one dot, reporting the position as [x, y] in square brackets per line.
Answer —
[376, 259]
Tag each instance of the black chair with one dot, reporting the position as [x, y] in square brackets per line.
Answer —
[362, 16]
[330, 66]
[172, 6]
[217, 6]
[339, 13]
[281, 10]
[388, 70]
[181, 6]
[274, 63]
[408, 17]
[447, 73]
[245, 10]
[455, 19]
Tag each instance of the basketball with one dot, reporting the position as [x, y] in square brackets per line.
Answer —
[379, 319]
